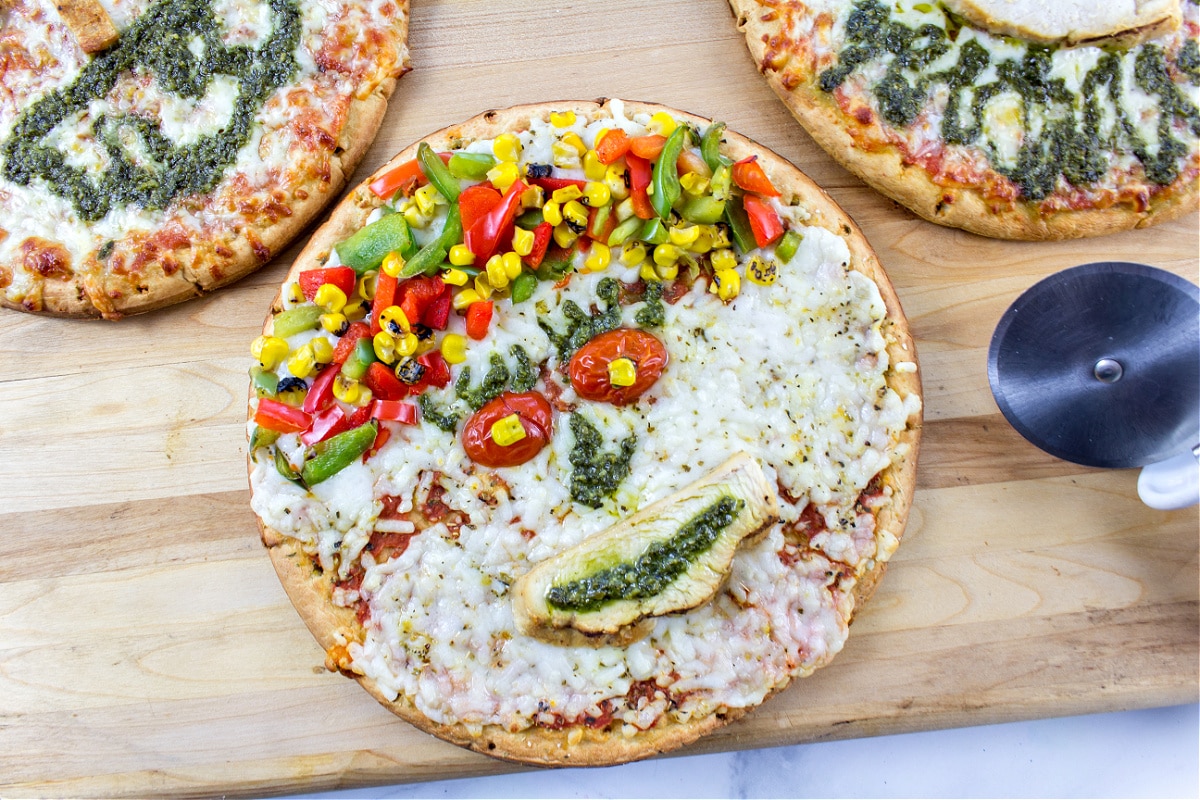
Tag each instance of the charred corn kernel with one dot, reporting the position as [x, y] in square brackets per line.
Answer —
[335, 323]
[454, 348]
[407, 345]
[720, 236]
[504, 175]
[508, 430]
[662, 123]
[624, 209]
[667, 273]
[461, 256]
[647, 272]
[566, 194]
[302, 362]
[496, 275]
[693, 183]
[385, 347]
[761, 271]
[512, 265]
[347, 390]
[564, 155]
[322, 350]
[614, 179]
[726, 284]
[564, 236]
[598, 258]
[356, 311]
[269, 350]
[522, 242]
[484, 287]
[330, 298]
[633, 253]
[564, 120]
[366, 284]
[666, 255]
[622, 372]
[393, 320]
[426, 198]
[684, 236]
[723, 259]
[423, 346]
[392, 266]
[294, 293]
[507, 147]
[596, 193]
[575, 212]
[533, 197]
[552, 213]
[593, 170]
[463, 299]
[704, 241]
[414, 217]
[571, 138]
[455, 277]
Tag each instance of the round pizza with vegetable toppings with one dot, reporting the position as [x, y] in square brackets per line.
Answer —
[154, 150]
[580, 429]
[1008, 118]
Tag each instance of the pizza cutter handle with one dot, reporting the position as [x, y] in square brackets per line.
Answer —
[1174, 483]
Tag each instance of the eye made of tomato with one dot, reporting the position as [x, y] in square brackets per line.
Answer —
[618, 366]
[509, 430]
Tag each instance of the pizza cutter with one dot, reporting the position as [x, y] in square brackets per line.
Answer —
[1100, 365]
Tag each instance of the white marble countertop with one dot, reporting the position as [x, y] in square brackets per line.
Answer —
[1144, 753]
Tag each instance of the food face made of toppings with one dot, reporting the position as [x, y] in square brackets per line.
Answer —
[601, 311]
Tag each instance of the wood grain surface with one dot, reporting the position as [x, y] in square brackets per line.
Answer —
[146, 648]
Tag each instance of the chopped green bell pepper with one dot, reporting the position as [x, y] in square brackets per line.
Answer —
[366, 249]
[665, 178]
[338, 452]
[295, 320]
[437, 172]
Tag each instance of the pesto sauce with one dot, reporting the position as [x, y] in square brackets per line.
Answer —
[596, 474]
[653, 314]
[1064, 136]
[445, 420]
[581, 327]
[158, 42]
[653, 571]
[498, 378]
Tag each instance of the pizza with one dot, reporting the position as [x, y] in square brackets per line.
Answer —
[154, 150]
[1007, 118]
[580, 429]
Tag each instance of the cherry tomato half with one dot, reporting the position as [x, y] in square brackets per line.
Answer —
[534, 413]
[589, 367]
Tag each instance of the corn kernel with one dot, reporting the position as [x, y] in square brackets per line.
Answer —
[726, 284]
[564, 236]
[614, 179]
[464, 299]
[322, 350]
[704, 241]
[723, 259]
[633, 253]
[684, 236]
[624, 209]
[426, 197]
[393, 320]
[461, 256]
[596, 193]
[496, 275]
[622, 372]
[269, 350]
[407, 345]
[356, 311]
[564, 155]
[504, 175]
[302, 361]
[330, 298]
[667, 273]
[334, 323]
[385, 347]
[533, 197]
[454, 348]
[483, 286]
[693, 184]
[346, 389]
[507, 147]
[575, 212]
[593, 170]
[512, 265]
[522, 242]
[392, 266]
[662, 123]
[295, 294]
[564, 120]
[366, 284]
[646, 272]
[720, 236]
[598, 258]
[761, 271]
[666, 254]
[571, 138]
[414, 217]
[566, 194]
[508, 430]
[456, 277]
[552, 213]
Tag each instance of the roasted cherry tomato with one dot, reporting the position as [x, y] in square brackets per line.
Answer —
[533, 412]
[592, 369]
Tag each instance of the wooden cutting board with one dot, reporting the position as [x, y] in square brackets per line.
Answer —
[146, 647]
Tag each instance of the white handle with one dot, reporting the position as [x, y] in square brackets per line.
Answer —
[1174, 483]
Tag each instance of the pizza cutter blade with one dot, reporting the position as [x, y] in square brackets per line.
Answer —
[1100, 365]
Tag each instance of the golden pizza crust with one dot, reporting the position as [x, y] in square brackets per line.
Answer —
[197, 266]
[1123, 23]
[962, 207]
[334, 627]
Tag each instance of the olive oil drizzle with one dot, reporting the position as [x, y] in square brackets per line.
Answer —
[145, 168]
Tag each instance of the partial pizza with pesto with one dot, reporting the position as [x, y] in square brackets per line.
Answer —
[154, 150]
[1009, 118]
[580, 429]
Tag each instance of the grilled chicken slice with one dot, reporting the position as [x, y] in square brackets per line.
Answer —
[669, 557]
[1073, 22]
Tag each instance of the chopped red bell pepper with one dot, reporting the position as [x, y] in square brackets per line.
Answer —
[276, 416]
[407, 173]
[381, 439]
[495, 228]
[437, 371]
[383, 383]
[750, 176]
[326, 424]
[360, 417]
[554, 184]
[320, 394]
[764, 222]
[640, 173]
[541, 240]
[614, 145]
[313, 279]
[601, 222]
[437, 313]
[475, 202]
[385, 296]
[349, 340]
[479, 318]
[648, 146]
[394, 411]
